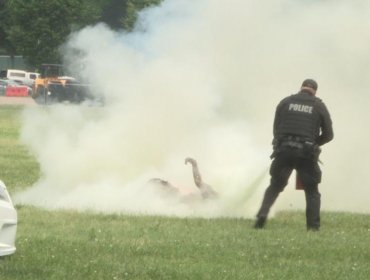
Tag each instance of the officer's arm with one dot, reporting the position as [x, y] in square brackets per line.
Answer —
[327, 133]
[277, 118]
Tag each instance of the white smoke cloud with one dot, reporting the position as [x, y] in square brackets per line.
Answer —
[202, 78]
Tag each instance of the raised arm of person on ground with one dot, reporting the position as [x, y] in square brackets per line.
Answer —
[205, 189]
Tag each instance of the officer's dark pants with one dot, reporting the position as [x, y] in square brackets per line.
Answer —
[310, 174]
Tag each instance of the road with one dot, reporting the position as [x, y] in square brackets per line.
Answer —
[6, 100]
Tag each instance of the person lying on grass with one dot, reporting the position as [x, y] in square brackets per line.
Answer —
[206, 190]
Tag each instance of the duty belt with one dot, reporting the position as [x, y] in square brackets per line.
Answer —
[292, 144]
[295, 142]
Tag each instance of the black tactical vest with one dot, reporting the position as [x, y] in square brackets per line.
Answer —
[298, 115]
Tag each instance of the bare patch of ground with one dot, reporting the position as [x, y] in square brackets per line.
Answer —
[7, 100]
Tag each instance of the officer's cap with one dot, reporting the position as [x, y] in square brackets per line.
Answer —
[310, 83]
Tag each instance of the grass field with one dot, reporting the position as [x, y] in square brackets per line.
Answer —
[71, 245]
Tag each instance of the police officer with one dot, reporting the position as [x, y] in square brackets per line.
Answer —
[302, 124]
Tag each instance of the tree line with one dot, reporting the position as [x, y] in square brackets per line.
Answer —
[36, 29]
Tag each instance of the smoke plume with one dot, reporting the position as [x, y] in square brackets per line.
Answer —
[202, 79]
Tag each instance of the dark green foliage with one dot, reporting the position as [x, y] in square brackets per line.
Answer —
[37, 28]
[5, 44]
[132, 7]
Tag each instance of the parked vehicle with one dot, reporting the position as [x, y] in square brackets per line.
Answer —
[20, 76]
[8, 222]
[54, 86]
[32, 75]
[11, 87]
[3, 85]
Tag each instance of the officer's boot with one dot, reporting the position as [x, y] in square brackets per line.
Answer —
[268, 200]
[313, 202]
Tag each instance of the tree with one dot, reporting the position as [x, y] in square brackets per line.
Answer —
[5, 43]
[112, 12]
[122, 14]
[131, 12]
[38, 28]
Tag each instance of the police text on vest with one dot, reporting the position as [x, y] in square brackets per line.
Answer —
[300, 108]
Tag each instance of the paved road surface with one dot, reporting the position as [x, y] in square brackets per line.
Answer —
[6, 100]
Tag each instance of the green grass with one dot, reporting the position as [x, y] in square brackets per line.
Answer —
[71, 245]
[18, 169]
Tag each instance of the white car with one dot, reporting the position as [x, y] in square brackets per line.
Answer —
[8, 222]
